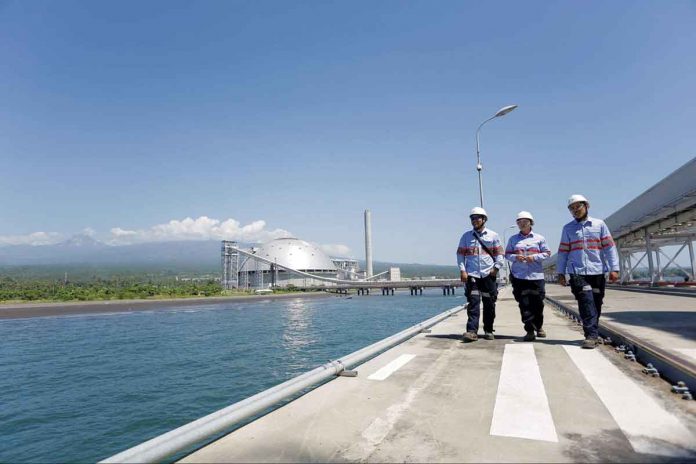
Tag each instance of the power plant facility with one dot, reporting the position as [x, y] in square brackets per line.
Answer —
[286, 262]
[281, 263]
[291, 262]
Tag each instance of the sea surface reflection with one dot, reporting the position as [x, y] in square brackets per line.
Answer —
[84, 388]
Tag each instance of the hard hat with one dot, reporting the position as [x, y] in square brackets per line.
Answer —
[525, 215]
[478, 211]
[576, 198]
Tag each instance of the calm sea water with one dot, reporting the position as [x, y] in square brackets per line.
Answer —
[82, 388]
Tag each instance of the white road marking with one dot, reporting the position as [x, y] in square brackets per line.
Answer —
[647, 425]
[392, 367]
[379, 428]
[689, 352]
[521, 406]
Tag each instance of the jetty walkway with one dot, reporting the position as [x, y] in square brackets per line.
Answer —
[436, 399]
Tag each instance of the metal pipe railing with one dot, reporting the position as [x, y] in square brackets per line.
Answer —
[169, 444]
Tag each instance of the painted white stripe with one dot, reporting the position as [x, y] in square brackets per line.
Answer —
[689, 352]
[392, 367]
[521, 406]
[647, 425]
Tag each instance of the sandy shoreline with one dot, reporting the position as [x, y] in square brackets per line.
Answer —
[27, 310]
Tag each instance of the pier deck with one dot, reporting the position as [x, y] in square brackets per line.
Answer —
[436, 399]
[666, 321]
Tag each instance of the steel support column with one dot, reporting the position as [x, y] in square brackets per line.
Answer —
[648, 247]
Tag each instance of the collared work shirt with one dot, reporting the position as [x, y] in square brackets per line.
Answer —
[587, 248]
[473, 259]
[527, 245]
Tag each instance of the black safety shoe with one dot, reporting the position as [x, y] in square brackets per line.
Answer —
[529, 337]
[469, 337]
[541, 333]
[590, 343]
[489, 336]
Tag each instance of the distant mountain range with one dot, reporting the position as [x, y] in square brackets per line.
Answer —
[83, 249]
[189, 255]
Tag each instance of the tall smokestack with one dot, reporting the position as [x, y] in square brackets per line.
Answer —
[368, 243]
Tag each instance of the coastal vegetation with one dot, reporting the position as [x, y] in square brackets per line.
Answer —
[50, 283]
[13, 289]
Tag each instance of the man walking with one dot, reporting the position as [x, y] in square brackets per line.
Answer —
[526, 250]
[586, 252]
[479, 257]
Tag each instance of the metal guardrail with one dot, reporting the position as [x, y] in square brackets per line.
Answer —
[182, 438]
[671, 367]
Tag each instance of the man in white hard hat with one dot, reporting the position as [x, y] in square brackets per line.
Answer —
[526, 250]
[479, 257]
[587, 252]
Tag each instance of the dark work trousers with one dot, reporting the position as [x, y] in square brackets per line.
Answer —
[530, 295]
[589, 291]
[477, 289]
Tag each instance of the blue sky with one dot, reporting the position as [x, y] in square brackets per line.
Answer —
[262, 118]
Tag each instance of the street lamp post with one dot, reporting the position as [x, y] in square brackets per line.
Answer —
[507, 263]
[479, 167]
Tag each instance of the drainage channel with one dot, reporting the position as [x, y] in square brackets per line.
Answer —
[657, 361]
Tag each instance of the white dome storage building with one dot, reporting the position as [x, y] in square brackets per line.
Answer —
[289, 252]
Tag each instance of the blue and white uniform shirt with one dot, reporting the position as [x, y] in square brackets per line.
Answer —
[533, 245]
[587, 248]
[473, 259]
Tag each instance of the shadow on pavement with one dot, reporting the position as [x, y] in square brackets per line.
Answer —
[682, 323]
[545, 341]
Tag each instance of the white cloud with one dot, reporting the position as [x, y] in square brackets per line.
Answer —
[203, 228]
[36, 238]
[335, 250]
[88, 231]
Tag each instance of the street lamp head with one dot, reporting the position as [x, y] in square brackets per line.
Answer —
[504, 110]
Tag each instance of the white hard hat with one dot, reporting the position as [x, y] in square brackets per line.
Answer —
[478, 211]
[576, 198]
[525, 215]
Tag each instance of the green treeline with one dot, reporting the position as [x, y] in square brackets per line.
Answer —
[13, 289]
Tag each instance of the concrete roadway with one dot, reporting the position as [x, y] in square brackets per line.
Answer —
[436, 399]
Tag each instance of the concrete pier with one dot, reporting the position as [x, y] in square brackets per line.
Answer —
[436, 399]
[666, 321]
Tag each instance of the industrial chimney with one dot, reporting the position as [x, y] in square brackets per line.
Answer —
[368, 244]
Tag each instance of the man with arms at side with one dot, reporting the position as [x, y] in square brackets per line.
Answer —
[586, 253]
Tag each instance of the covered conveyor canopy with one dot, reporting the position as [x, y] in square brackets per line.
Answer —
[664, 215]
